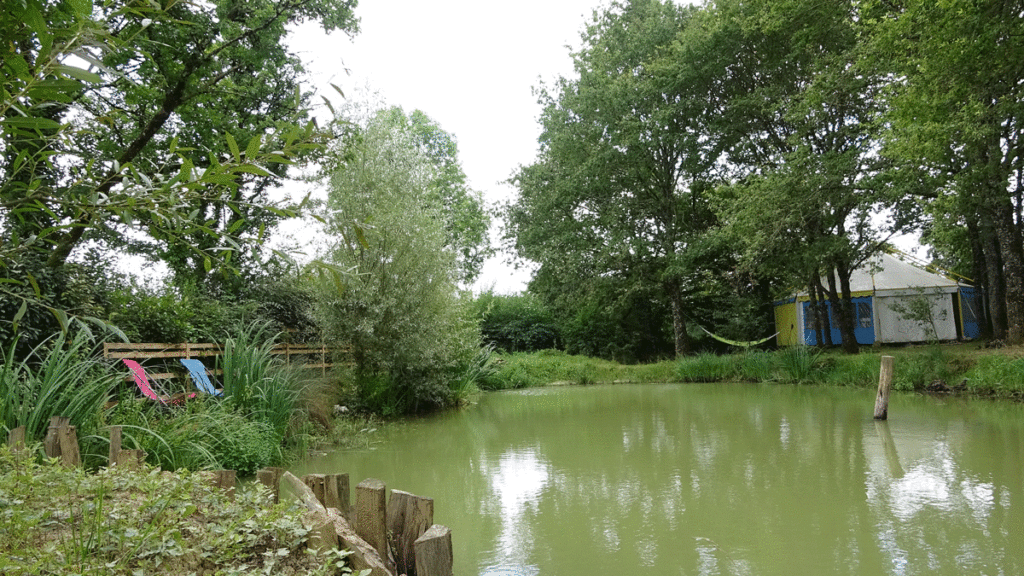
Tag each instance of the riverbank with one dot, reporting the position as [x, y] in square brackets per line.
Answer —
[964, 368]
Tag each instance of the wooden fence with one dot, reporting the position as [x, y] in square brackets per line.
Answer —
[301, 355]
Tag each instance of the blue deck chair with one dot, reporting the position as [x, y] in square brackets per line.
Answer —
[198, 373]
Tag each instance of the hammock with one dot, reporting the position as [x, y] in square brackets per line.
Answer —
[739, 344]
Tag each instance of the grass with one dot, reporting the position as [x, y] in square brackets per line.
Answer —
[58, 378]
[966, 366]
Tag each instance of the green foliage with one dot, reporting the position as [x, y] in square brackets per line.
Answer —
[997, 374]
[800, 363]
[859, 370]
[525, 370]
[400, 311]
[124, 522]
[515, 323]
[257, 382]
[58, 378]
[706, 367]
[759, 366]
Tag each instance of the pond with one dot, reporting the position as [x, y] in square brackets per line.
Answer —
[731, 479]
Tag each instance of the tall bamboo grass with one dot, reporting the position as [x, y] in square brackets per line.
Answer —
[58, 378]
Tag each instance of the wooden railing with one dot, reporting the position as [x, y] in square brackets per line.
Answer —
[314, 356]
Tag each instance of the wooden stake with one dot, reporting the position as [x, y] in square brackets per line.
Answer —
[434, 552]
[884, 384]
[371, 514]
[225, 479]
[409, 516]
[115, 445]
[271, 478]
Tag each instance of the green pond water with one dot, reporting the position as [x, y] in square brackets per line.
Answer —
[729, 479]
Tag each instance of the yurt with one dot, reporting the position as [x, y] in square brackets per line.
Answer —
[881, 288]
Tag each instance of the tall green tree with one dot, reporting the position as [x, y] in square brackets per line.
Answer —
[618, 188]
[797, 121]
[400, 309]
[955, 108]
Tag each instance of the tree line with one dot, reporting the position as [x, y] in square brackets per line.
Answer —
[705, 160]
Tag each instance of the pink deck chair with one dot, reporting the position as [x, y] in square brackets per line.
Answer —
[143, 383]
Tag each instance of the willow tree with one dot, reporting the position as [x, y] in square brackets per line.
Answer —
[400, 308]
[617, 189]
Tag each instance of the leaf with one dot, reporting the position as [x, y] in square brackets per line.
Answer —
[361, 236]
[31, 123]
[253, 149]
[19, 314]
[233, 146]
[79, 73]
[207, 263]
[35, 286]
[61, 316]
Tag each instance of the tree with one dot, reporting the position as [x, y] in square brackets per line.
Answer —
[617, 190]
[125, 115]
[797, 122]
[955, 108]
[399, 310]
[466, 221]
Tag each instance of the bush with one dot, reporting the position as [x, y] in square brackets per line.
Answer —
[517, 323]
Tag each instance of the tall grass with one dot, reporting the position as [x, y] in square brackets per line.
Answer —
[706, 367]
[256, 381]
[58, 378]
[799, 363]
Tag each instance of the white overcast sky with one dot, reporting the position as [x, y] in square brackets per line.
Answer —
[471, 65]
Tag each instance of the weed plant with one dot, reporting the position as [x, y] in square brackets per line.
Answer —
[856, 371]
[759, 366]
[58, 378]
[799, 363]
[120, 521]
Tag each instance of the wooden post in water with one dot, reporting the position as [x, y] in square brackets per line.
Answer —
[371, 515]
[434, 552]
[409, 516]
[884, 384]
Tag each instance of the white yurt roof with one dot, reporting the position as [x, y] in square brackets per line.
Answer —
[886, 273]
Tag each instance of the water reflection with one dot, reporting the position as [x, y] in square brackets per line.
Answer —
[709, 480]
[516, 483]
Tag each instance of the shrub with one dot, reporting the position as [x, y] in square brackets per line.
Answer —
[800, 363]
[516, 323]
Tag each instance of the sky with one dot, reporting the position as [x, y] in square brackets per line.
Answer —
[470, 65]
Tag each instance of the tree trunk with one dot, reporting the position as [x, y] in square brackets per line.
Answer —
[823, 318]
[994, 291]
[681, 338]
[1013, 270]
[979, 273]
[842, 304]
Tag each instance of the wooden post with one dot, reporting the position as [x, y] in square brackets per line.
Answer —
[271, 478]
[130, 458]
[225, 479]
[317, 484]
[16, 439]
[884, 384]
[371, 515]
[409, 516]
[434, 552]
[62, 442]
[115, 445]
